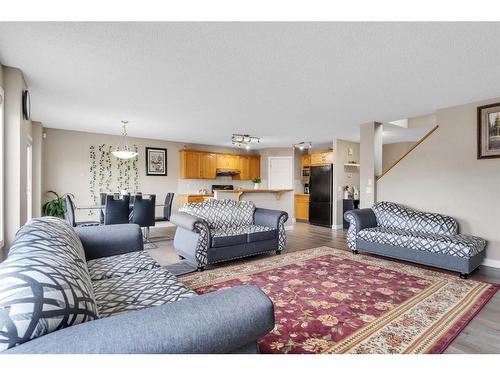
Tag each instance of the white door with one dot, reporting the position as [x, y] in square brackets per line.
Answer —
[280, 172]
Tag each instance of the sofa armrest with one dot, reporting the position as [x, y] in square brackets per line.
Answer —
[202, 324]
[269, 218]
[358, 220]
[107, 240]
[185, 220]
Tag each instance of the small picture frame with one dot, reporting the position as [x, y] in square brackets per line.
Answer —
[488, 131]
[156, 161]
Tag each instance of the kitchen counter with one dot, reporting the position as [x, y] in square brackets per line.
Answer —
[218, 194]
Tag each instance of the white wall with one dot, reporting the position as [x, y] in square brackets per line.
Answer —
[443, 175]
[370, 150]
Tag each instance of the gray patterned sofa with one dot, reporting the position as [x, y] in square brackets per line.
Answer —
[219, 230]
[94, 290]
[395, 231]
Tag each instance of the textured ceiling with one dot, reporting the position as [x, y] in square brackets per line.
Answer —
[283, 82]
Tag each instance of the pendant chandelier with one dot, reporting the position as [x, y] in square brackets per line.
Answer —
[125, 152]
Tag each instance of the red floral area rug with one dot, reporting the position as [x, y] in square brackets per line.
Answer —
[331, 301]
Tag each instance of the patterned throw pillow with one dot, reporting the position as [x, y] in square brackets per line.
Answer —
[222, 214]
[395, 216]
[44, 283]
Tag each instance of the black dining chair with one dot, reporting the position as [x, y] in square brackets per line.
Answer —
[144, 212]
[167, 208]
[70, 214]
[116, 210]
[103, 203]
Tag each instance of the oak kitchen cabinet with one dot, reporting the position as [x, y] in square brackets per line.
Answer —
[227, 161]
[306, 160]
[203, 165]
[321, 158]
[193, 198]
[302, 206]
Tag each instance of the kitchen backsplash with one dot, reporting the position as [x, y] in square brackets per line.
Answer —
[185, 186]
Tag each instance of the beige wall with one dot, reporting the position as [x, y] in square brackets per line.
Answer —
[37, 183]
[443, 175]
[392, 152]
[16, 135]
[66, 165]
[342, 178]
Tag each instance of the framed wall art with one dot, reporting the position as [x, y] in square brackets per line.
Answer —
[156, 161]
[488, 131]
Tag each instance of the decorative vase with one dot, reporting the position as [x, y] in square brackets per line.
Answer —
[256, 186]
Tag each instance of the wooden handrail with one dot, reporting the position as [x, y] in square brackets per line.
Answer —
[409, 150]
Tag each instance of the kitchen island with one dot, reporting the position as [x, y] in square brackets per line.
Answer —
[237, 193]
[275, 199]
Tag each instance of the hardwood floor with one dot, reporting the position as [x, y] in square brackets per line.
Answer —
[482, 334]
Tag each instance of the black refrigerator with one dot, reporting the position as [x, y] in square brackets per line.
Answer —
[321, 195]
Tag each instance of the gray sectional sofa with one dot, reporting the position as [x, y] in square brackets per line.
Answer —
[220, 230]
[95, 290]
[395, 231]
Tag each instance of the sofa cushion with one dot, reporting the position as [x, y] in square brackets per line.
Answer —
[44, 283]
[138, 291]
[221, 239]
[395, 216]
[120, 265]
[456, 245]
[222, 214]
[260, 233]
[240, 235]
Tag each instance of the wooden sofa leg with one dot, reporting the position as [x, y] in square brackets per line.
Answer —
[200, 269]
[278, 252]
[355, 252]
[464, 275]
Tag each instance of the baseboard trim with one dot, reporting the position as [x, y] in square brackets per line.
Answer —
[288, 227]
[491, 263]
[340, 226]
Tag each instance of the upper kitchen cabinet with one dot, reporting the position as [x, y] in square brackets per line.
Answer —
[208, 165]
[306, 160]
[190, 164]
[204, 165]
[227, 161]
[244, 167]
[321, 158]
[254, 167]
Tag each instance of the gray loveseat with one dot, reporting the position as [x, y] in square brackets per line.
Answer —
[395, 231]
[94, 290]
[220, 230]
